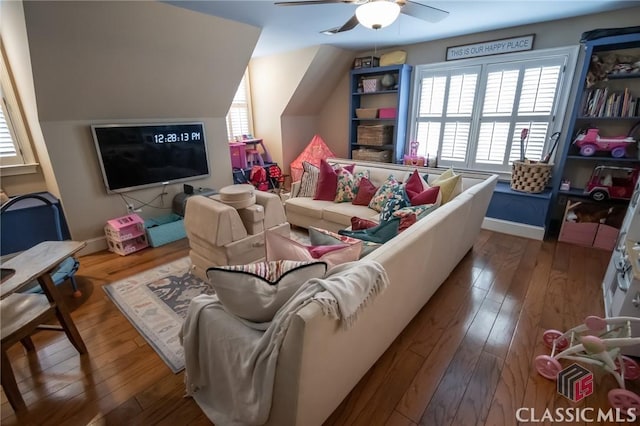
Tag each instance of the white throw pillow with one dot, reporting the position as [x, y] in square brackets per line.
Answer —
[256, 291]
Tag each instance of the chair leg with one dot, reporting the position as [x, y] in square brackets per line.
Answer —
[76, 291]
[28, 344]
[9, 383]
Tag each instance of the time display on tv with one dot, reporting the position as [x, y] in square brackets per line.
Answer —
[177, 137]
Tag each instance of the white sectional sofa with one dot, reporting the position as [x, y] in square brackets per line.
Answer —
[320, 361]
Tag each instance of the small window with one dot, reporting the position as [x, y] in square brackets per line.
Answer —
[239, 116]
[15, 144]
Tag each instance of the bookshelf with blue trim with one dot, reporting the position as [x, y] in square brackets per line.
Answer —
[608, 99]
[385, 87]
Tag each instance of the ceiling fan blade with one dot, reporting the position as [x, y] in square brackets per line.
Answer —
[309, 2]
[421, 11]
[349, 25]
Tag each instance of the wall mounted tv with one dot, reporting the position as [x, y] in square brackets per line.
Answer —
[135, 156]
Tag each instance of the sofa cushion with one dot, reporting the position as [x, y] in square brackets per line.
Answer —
[383, 193]
[348, 184]
[307, 206]
[256, 291]
[396, 200]
[308, 181]
[450, 185]
[280, 247]
[366, 191]
[343, 212]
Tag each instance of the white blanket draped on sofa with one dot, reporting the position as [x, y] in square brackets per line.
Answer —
[230, 363]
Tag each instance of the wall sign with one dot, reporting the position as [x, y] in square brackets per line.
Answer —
[495, 47]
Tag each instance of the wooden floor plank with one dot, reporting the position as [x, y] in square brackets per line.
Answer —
[445, 401]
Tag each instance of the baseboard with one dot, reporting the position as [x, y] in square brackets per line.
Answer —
[513, 228]
[94, 245]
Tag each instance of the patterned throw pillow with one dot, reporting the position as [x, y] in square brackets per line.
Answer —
[397, 200]
[348, 184]
[419, 211]
[384, 193]
[308, 181]
[256, 291]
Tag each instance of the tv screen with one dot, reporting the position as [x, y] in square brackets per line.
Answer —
[134, 156]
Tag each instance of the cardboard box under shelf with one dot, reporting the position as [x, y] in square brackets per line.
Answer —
[165, 229]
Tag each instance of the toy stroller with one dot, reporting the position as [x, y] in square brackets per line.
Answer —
[596, 342]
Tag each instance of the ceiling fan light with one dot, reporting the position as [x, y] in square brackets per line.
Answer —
[377, 14]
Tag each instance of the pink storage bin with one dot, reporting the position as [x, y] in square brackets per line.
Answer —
[238, 155]
[387, 113]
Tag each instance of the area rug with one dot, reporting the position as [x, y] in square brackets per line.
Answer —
[156, 302]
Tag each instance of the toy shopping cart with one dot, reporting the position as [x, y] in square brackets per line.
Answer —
[596, 342]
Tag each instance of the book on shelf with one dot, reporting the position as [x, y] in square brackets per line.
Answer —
[601, 103]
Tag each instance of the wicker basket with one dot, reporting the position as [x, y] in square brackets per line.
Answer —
[381, 134]
[366, 113]
[371, 155]
[530, 176]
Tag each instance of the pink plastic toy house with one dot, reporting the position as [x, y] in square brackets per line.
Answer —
[126, 234]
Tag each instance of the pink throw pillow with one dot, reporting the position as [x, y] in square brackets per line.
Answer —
[358, 223]
[328, 181]
[428, 196]
[414, 184]
[280, 247]
[366, 191]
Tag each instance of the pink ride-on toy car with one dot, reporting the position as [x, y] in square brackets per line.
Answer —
[590, 142]
[612, 182]
[597, 342]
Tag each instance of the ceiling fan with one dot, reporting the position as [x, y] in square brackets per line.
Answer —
[376, 14]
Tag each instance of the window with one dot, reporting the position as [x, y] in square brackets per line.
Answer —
[15, 147]
[9, 152]
[239, 116]
[470, 113]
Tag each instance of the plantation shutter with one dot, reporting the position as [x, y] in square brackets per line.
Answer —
[470, 115]
[9, 151]
[517, 96]
[238, 117]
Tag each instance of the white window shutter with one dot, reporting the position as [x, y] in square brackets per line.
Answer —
[239, 115]
[432, 96]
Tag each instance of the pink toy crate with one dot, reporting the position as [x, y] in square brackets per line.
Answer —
[238, 155]
[126, 247]
[124, 228]
[387, 113]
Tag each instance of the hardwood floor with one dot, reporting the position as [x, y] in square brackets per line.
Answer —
[465, 359]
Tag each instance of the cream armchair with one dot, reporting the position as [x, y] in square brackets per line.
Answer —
[223, 235]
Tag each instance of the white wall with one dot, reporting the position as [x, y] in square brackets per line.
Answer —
[106, 62]
[289, 92]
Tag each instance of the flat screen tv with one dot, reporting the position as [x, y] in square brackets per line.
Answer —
[135, 156]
